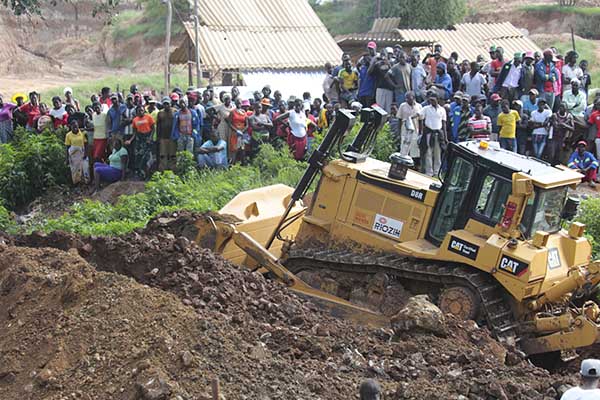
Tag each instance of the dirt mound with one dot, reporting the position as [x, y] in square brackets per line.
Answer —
[257, 337]
[68, 329]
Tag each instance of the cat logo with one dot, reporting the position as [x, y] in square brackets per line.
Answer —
[513, 266]
[463, 248]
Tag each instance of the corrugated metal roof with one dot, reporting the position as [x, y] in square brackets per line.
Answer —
[252, 14]
[248, 50]
[385, 25]
[469, 40]
[256, 34]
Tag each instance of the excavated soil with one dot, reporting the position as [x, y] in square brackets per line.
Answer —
[75, 325]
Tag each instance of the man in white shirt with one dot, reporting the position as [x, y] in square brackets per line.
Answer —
[473, 82]
[432, 124]
[408, 113]
[590, 376]
[509, 78]
[571, 70]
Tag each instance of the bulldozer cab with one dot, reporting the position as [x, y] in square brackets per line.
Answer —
[479, 182]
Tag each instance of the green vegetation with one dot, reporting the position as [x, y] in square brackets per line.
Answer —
[29, 7]
[589, 214]
[187, 189]
[342, 18]
[31, 164]
[83, 90]
[552, 8]
[193, 190]
[150, 22]
[7, 223]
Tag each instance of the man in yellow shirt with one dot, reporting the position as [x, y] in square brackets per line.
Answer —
[507, 121]
[349, 84]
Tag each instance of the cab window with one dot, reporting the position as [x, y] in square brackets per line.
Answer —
[453, 196]
[492, 199]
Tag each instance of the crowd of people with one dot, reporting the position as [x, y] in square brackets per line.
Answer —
[533, 103]
[134, 134]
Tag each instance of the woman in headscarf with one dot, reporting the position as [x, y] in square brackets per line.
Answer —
[6, 120]
[76, 142]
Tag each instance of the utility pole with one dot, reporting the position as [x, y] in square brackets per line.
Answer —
[196, 40]
[378, 9]
[167, 46]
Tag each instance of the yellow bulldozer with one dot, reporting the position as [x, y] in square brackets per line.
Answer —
[491, 240]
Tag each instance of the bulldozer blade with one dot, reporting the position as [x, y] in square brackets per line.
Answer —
[338, 308]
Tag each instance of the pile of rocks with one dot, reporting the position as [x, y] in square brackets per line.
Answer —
[259, 339]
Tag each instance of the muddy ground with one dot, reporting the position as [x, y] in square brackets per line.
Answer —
[152, 316]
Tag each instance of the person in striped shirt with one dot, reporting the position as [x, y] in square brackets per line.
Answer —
[585, 163]
[479, 126]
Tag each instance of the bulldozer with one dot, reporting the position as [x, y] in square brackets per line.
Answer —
[491, 240]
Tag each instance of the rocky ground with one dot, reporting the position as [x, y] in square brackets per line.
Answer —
[152, 316]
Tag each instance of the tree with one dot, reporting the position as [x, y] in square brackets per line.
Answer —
[423, 14]
[34, 7]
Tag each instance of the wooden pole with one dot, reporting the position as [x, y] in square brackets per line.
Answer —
[168, 45]
[215, 388]
[190, 74]
[572, 37]
[197, 46]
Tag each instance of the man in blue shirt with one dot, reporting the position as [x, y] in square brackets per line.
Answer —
[113, 121]
[443, 81]
[460, 112]
[492, 111]
[530, 101]
[366, 83]
[213, 153]
[585, 163]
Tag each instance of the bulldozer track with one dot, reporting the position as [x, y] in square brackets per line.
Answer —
[497, 311]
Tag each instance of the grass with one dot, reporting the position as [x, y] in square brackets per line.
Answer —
[548, 8]
[84, 89]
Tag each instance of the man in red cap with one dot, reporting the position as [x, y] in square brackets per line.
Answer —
[366, 81]
[492, 111]
[585, 163]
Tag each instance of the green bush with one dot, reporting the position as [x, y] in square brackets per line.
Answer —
[384, 145]
[31, 164]
[7, 222]
[193, 190]
[185, 163]
[589, 214]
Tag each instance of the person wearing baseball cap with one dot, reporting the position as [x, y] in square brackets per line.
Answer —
[529, 101]
[546, 75]
[507, 83]
[586, 164]
[492, 110]
[527, 76]
[590, 376]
